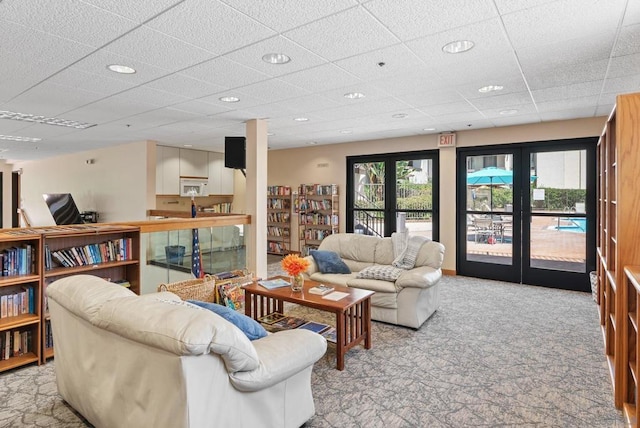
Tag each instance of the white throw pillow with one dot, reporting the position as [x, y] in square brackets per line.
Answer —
[382, 272]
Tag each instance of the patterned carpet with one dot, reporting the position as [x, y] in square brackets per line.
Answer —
[494, 354]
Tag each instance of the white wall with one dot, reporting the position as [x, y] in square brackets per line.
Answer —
[6, 170]
[119, 185]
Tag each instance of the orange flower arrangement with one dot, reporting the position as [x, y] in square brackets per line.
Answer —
[294, 265]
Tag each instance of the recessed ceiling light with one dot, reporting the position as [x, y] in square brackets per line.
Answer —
[508, 112]
[354, 95]
[429, 129]
[301, 119]
[399, 115]
[346, 131]
[229, 99]
[270, 134]
[187, 145]
[458, 46]
[312, 143]
[16, 138]
[276, 58]
[122, 69]
[27, 117]
[490, 88]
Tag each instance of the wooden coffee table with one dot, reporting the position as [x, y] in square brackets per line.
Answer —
[353, 312]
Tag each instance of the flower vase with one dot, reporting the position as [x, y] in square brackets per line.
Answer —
[297, 282]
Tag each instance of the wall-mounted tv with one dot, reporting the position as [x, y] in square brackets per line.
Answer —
[63, 208]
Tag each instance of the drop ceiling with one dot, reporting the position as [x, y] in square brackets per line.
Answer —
[554, 59]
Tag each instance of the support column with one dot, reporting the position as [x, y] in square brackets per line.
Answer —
[256, 196]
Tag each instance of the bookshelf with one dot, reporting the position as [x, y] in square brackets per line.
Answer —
[106, 251]
[317, 206]
[617, 240]
[278, 220]
[20, 293]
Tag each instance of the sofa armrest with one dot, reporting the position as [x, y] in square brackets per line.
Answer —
[419, 277]
[282, 355]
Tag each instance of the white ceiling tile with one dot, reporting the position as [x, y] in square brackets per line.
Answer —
[107, 110]
[311, 103]
[76, 79]
[568, 114]
[566, 92]
[370, 91]
[200, 107]
[521, 110]
[184, 85]
[438, 110]
[364, 109]
[145, 94]
[49, 99]
[97, 63]
[397, 59]
[226, 73]
[515, 120]
[283, 15]
[632, 14]
[348, 33]
[545, 76]
[561, 20]
[251, 56]
[508, 6]
[138, 11]
[274, 90]
[12, 127]
[623, 85]
[46, 132]
[628, 41]
[159, 50]
[271, 110]
[70, 19]
[430, 98]
[497, 100]
[573, 103]
[321, 78]
[417, 18]
[409, 82]
[604, 110]
[210, 25]
[18, 76]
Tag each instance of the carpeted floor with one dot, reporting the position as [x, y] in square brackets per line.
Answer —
[494, 354]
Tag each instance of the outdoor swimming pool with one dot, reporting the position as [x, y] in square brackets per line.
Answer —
[576, 224]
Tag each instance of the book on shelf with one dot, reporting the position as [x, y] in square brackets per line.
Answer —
[331, 334]
[271, 318]
[321, 289]
[316, 327]
[270, 284]
[288, 322]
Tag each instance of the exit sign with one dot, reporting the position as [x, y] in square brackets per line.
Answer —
[447, 140]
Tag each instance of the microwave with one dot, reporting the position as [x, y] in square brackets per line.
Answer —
[193, 187]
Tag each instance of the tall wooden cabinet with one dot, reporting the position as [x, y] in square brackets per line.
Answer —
[279, 220]
[618, 246]
[318, 214]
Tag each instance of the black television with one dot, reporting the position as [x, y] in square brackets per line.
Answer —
[63, 208]
[234, 152]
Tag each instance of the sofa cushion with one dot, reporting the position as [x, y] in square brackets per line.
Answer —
[329, 262]
[177, 327]
[351, 246]
[250, 327]
[84, 295]
[381, 272]
[333, 278]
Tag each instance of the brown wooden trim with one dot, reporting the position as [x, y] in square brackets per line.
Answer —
[449, 272]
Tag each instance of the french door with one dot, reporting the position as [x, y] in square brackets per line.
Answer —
[394, 191]
[526, 213]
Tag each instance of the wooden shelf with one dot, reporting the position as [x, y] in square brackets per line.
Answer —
[19, 361]
[279, 200]
[318, 214]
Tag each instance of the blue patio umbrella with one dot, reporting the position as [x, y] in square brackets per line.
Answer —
[490, 175]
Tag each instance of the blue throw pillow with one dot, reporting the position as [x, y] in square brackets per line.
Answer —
[250, 327]
[329, 262]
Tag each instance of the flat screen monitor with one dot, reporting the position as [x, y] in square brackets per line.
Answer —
[63, 208]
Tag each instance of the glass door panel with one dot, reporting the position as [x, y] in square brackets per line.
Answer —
[414, 196]
[369, 198]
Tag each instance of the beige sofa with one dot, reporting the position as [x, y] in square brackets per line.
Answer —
[409, 300]
[124, 360]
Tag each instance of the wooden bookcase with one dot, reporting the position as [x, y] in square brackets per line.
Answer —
[20, 286]
[318, 214]
[618, 245]
[118, 259]
[279, 220]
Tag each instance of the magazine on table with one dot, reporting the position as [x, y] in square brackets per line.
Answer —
[287, 323]
[270, 284]
[316, 327]
[321, 289]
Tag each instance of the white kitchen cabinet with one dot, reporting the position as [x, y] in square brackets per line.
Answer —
[194, 163]
[167, 170]
[220, 178]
